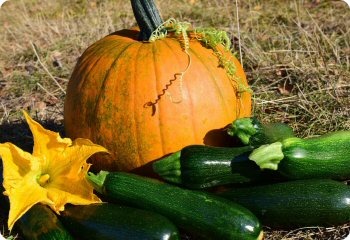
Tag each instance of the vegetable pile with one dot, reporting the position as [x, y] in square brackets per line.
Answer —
[205, 192]
[267, 177]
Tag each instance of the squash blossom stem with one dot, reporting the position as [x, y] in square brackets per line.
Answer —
[43, 179]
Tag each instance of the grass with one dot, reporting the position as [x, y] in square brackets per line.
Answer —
[295, 53]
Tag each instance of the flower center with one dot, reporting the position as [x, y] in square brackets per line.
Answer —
[43, 179]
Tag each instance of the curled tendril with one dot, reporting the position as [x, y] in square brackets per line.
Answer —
[210, 37]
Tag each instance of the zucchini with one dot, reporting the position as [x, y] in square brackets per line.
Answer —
[109, 221]
[326, 156]
[198, 166]
[250, 131]
[41, 223]
[199, 213]
[299, 203]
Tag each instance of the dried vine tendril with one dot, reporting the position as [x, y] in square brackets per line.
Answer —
[211, 38]
[180, 29]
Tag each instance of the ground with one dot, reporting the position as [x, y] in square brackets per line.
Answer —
[295, 54]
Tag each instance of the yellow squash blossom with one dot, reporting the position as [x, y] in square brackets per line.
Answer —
[54, 174]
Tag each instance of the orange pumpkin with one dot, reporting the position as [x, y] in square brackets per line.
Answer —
[133, 97]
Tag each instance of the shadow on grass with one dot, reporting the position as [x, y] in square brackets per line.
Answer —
[19, 134]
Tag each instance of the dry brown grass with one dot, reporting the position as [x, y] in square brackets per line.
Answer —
[295, 53]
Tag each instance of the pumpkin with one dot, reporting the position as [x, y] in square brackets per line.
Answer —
[145, 99]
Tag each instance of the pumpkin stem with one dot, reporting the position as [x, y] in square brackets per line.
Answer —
[147, 17]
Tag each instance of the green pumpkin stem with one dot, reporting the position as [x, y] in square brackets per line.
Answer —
[147, 17]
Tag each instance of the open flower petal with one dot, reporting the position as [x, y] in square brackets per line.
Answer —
[77, 196]
[55, 174]
[70, 161]
[71, 188]
[80, 188]
[45, 140]
[16, 164]
[23, 198]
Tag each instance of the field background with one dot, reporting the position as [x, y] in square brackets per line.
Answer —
[296, 55]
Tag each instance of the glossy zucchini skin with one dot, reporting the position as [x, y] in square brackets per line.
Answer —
[300, 203]
[198, 166]
[202, 214]
[327, 156]
[251, 131]
[108, 221]
[41, 223]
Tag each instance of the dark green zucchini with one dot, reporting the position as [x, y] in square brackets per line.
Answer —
[326, 156]
[108, 221]
[41, 223]
[300, 203]
[198, 166]
[250, 131]
[202, 214]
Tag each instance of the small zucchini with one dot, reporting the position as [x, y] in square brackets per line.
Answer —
[198, 166]
[199, 213]
[300, 203]
[41, 223]
[250, 131]
[326, 156]
[108, 221]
